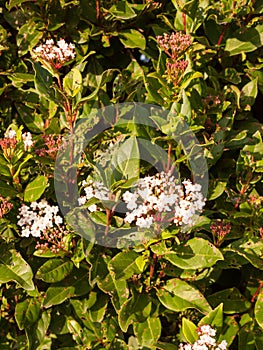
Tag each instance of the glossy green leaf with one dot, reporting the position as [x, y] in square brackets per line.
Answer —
[216, 189]
[178, 295]
[13, 3]
[35, 188]
[132, 38]
[196, 253]
[122, 11]
[136, 309]
[189, 330]
[233, 300]
[14, 268]
[123, 265]
[214, 318]
[249, 40]
[148, 332]
[127, 158]
[248, 94]
[27, 312]
[72, 82]
[259, 309]
[43, 82]
[54, 270]
[250, 249]
[76, 284]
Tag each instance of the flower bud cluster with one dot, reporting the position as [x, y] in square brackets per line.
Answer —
[174, 46]
[52, 239]
[219, 231]
[159, 199]
[206, 340]
[5, 206]
[38, 217]
[52, 143]
[9, 142]
[58, 54]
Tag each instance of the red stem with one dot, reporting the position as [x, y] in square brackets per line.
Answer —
[222, 34]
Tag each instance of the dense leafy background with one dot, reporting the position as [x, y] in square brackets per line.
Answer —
[154, 295]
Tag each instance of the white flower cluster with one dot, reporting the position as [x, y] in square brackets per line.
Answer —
[159, 199]
[59, 54]
[26, 137]
[96, 190]
[37, 217]
[206, 340]
[10, 134]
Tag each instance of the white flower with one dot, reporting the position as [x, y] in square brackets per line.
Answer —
[27, 139]
[37, 217]
[82, 200]
[206, 329]
[144, 222]
[222, 345]
[92, 208]
[159, 195]
[56, 54]
[10, 134]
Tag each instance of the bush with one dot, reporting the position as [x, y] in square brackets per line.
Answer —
[105, 106]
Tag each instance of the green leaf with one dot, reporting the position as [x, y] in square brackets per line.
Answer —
[126, 159]
[98, 310]
[122, 10]
[102, 79]
[189, 331]
[132, 38]
[165, 346]
[32, 120]
[76, 284]
[234, 302]
[248, 94]
[54, 270]
[216, 189]
[250, 249]
[29, 35]
[248, 41]
[27, 312]
[123, 265]
[43, 82]
[13, 3]
[177, 295]
[197, 253]
[214, 318]
[7, 190]
[259, 309]
[14, 268]
[148, 332]
[57, 295]
[136, 309]
[35, 188]
[229, 330]
[72, 82]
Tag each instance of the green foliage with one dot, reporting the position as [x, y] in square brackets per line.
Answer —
[60, 289]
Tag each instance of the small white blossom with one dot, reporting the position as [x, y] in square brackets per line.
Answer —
[92, 208]
[57, 55]
[37, 217]
[10, 134]
[96, 190]
[160, 198]
[206, 340]
[27, 139]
